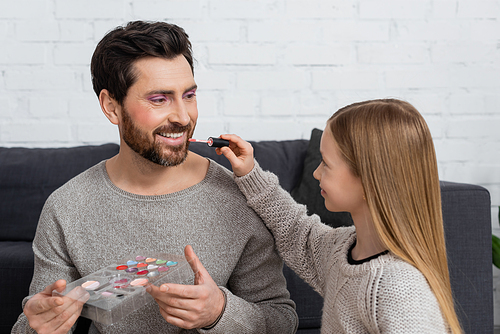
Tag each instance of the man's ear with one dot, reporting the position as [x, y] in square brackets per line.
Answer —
[110, 107]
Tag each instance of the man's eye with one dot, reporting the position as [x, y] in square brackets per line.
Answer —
[159, 99]
[189, 95]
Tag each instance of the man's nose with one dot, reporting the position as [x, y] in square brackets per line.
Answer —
[179, 114]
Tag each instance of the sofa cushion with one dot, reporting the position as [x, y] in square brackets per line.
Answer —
[308, 191]
[29, 176]
[17, 264]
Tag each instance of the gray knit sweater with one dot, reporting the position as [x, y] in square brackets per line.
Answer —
[384, 295]
[89, 223]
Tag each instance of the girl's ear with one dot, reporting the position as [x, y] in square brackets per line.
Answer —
[109, 106]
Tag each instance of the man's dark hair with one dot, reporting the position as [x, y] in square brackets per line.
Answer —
[113, 59]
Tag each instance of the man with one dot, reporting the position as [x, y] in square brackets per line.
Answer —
[156, 195]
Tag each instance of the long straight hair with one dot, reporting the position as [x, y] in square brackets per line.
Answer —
[389, 146]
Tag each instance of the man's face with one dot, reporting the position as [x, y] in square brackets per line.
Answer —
[159, 112]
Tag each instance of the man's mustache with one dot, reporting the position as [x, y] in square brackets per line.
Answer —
[173, 129]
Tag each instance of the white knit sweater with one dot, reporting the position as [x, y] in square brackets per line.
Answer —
[384, 295]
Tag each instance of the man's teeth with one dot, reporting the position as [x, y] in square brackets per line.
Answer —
[171, 135]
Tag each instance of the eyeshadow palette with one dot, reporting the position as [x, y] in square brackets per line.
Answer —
[120, 288]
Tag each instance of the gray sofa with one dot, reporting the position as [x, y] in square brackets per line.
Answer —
[28, 176]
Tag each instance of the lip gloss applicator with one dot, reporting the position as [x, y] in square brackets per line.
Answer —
[211, 141]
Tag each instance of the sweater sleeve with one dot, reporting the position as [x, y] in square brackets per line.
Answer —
[51, 261]
[298, 237]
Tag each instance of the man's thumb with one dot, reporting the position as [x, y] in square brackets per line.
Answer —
[195, 264]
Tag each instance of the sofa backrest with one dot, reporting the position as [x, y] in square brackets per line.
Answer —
[29, 176]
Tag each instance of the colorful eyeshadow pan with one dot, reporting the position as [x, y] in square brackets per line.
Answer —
[142, 272]
[142, 265]
[139, 282]
[171, 263]
[122, 267]
[120, 283]
[160, 262]
[131, 263]
[154, 274]
[149, 260]
[140, 258]
[132, 270]
[90, 285]
[152, 267]
[162, 269]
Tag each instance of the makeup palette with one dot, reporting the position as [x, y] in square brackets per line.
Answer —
[120, 288]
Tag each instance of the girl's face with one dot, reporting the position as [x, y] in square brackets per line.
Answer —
[341, 189]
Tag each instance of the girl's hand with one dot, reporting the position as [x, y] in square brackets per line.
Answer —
[239, 153]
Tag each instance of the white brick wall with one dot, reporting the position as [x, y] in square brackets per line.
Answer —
[271, 69]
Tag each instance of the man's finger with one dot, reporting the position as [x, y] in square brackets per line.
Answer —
[176, 321]
[69, 303]
[69, 312]
[66, 326]
[43, 302]
[199, 270]
[191, 258]
[78, 294]
[174, 296]
[58, 285]
[40, 305]
[180, 291]
[168, 291]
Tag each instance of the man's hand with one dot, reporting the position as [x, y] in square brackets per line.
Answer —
[47, 314]
[190, 306]
[239, 153]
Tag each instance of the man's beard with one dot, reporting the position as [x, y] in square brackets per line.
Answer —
[140, 143]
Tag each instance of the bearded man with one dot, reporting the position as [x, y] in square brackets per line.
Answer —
[156, 195]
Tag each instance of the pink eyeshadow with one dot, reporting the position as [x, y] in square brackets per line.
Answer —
[139, 282]
[90, 285]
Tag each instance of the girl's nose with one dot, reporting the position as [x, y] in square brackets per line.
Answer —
[317, 173]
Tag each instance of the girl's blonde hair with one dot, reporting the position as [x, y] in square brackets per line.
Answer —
[389, 146]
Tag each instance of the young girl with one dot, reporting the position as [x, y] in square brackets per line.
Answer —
[388, 273]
